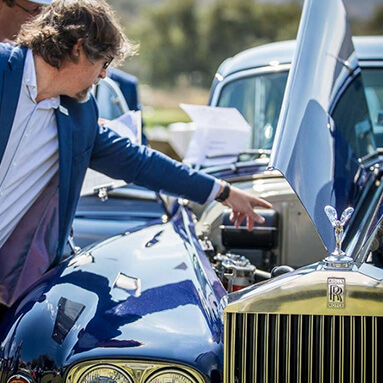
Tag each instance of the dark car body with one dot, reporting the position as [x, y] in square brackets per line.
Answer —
[148, 297]
[149, 304]
[323, 322]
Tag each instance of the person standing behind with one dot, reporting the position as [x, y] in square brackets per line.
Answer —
[128, 85]
[14, 13]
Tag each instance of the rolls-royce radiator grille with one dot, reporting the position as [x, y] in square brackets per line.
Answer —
[262, 348]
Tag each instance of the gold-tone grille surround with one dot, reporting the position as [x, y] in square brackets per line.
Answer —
[138, 370]
[262, 348]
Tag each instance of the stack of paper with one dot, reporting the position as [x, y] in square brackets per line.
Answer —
[220, 135]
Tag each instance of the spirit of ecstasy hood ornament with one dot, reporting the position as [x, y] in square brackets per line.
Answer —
[338, 258]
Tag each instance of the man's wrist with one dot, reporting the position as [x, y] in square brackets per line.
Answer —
[224, 192]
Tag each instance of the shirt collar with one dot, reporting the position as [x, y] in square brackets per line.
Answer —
[29, 80]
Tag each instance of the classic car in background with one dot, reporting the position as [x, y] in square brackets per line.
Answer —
[147, 306]
[254, 82]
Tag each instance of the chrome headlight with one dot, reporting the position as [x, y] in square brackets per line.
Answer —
[170, 376]
[105, 374]
[131, 371]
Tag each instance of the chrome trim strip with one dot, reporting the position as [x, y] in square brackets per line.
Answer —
[332, 349]
[255, 357]
[244, 347]
[370, 64]
[232, 348]
[352, 349]
[341, 342]
[364, 349]
[299, 349]
[266, 349]
[277, 342]
[288, 350]
[375, 348]
[256, 228]
[321, 349]
[311, 347]
[227, 350]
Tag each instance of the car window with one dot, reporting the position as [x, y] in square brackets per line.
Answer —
[108, 101]
[352, 118]
[373, 82]
[259, 99]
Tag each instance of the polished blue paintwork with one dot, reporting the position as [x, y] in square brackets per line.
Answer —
[313, 147]
[97, 220]
[177, 317]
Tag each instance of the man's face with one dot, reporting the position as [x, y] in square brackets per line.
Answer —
[83, 75]
[18, 14]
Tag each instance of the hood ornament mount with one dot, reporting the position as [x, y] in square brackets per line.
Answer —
[338, 259]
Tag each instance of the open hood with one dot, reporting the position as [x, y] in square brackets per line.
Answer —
[324, 135]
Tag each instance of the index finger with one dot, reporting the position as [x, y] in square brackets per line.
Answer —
[259, 202]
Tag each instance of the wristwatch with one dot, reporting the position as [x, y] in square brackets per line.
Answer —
[224, 195]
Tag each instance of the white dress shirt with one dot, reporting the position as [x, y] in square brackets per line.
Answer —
[31, 157]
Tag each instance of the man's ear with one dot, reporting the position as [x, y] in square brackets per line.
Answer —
[77, 50]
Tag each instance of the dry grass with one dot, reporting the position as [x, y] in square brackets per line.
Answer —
[161, 106]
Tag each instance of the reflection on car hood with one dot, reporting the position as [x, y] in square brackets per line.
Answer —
[324, 131]
[141, 295]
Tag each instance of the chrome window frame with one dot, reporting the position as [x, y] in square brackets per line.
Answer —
[267, 69]
[120, 99]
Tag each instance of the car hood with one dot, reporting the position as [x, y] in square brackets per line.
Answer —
[145, 295]
[324, 137]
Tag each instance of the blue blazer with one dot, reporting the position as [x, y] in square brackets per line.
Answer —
[83, 143]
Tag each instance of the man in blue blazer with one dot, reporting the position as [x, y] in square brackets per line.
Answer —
[49, 136]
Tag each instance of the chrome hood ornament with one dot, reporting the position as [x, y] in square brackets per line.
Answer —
[338, 258]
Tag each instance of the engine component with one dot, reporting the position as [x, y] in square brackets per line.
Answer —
[263, 236]
[235, 271]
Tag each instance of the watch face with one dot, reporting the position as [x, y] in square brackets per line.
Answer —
[225, 193]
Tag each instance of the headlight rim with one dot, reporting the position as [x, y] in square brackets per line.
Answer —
[170, 370]
[105, 365]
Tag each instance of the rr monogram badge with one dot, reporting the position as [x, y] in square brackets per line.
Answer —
[336, 293]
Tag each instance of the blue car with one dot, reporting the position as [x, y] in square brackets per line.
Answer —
[178, 301]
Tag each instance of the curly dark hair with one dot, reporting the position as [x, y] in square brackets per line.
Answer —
[10, 3]
[53, 34]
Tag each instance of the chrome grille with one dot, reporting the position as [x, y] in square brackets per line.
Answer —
[264, 348]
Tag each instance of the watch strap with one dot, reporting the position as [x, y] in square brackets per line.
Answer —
[224, 195]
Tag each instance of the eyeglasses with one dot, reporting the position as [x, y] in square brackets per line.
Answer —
[33, 12]
[108, 62]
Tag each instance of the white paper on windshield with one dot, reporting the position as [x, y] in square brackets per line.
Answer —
[220, 135]
[127, 125]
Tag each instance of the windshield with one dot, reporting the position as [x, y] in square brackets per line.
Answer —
[373, 83]
[259, 99]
